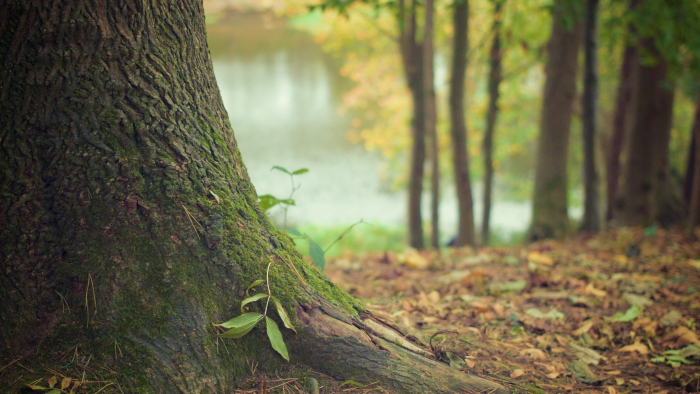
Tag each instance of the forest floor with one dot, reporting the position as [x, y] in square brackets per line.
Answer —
[614, 313]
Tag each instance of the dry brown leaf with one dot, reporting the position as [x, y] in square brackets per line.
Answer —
[612, 373]
[52, 381]
[584, 328]
[553, 375]
[590, 289]
[684, 336]
[434, 296]
[636, 347]
[517, 373]
[411, 258]
[65, 383]
[611, 390]
[619, 381]
[533, 353]
[635, 382]
[539, 258]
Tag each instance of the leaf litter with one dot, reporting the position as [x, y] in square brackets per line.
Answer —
[613, 313]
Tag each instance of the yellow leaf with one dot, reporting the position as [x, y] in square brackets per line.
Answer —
[553, 375]
[611, 390]
[412, 259]
[620, 258]
[65, 383]
[685, 336]
[539, 258]
[517, 373]
[619, 381]
[590, 289]
[52, 381]
[533, 353]
[636, 347]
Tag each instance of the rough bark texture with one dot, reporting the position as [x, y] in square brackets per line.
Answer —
[412, 59]
[113, 141]
[495, 78]
[458, 127]
[591, 213]
[693, 172]
[431, 123]
[549, 214]
[621, 119]
[646, 192]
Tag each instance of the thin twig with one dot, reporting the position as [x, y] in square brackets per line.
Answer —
[190, 217]
[343, 234]
[10, 364]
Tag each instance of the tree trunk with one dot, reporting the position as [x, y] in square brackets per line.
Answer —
[646, 191]
[412, 59]
[458, 127]
[495, 78]
[431, 123]
[620, 121]
[128, 223]
[549, 214]
[690, 166]
[591, 213]
[694, 170]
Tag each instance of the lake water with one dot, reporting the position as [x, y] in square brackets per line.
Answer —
[282, 94]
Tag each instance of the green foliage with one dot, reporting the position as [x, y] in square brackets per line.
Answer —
[676, 357]
[241, 325]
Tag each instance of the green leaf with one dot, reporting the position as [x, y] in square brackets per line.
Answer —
[256, 283]
[267, 201]
[317, 255]
[294, 232]
[273, 332]
[278, 168]
[300, 171]
[244, 328]
[252, 299]
[242, 320]
[659, 359]
[351, 383]
[628, 316]
[283, 314]
[54, 391]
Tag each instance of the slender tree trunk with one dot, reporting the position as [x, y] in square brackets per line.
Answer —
[458, 127]
[128, 223]
[646, 191]
[412, 59]
[495, 78]
[591, 213]
[620, 121]
[549, 214]
[431, 123]
[694, 170]
[690, 166]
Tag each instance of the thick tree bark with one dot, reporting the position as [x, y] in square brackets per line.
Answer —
[591, 213]
[495, 78]
[431, 123]
[690, 165]
[646, 192]
[458, 127]
[549, 213]
[412, 60]
[693, 173]
[128, 221]
[620, 121]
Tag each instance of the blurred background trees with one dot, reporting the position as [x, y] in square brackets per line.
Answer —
[530, 117]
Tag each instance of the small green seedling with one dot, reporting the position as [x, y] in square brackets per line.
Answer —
[244, 323]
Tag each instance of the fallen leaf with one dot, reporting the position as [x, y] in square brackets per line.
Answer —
[533, 353]
[612, 373]
[52, 381]
[411, 258]
[636, 347]
[619, 381]
[553, 375]
[539, 258]
[590, 289]
[584, 328]
[584, 354]
[684, 336]
[611, 390]
[517, 373]
[671, 318]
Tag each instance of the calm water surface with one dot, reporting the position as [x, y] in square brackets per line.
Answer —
[282, 94]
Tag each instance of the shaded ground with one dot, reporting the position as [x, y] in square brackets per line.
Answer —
[617, 313]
